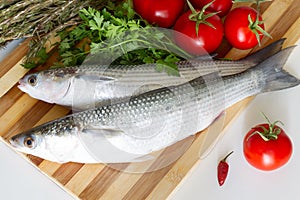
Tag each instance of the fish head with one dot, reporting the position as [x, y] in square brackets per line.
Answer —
[27, 142]
[45, 86]
[36, 144]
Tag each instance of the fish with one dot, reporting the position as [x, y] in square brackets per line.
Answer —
[87, 86]
[130, 130]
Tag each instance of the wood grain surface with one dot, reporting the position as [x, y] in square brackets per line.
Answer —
[19, 112]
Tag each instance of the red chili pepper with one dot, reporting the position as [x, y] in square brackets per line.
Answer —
[223, 168]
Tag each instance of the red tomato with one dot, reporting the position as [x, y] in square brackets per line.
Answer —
[237, 28]
[208, 38]
[267, 155]
[223, 6]
[160, 12]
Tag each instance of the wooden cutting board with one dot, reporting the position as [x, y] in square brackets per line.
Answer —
[19, 112]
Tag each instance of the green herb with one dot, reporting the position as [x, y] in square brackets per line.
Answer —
[40, 58]
[115, 32]
[118, 30]
[37, 19]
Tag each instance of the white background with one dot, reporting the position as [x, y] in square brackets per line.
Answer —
[20, 180]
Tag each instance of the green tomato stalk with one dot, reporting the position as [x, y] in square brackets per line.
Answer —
[200, 17]
[268, 134]
[254, 25]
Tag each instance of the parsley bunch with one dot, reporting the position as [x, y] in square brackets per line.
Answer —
[117, 30]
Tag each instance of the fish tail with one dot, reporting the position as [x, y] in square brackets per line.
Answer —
[266, 52]
[276, 78]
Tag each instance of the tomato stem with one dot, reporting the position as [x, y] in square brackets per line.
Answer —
[200, 17]
[268, 134]
[255, 28]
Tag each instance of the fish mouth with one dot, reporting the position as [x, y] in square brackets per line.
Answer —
[21, 85]
[13, 142]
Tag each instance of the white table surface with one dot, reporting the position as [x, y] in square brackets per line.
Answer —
[20, 180]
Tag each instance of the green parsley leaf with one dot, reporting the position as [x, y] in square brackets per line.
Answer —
[106, 32]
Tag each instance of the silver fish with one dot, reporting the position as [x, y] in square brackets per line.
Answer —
[129, 130]
[82, 87]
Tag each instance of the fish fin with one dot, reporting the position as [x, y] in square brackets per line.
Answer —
[94, 77]
[97, 141]
[276, 77]
[266, 52]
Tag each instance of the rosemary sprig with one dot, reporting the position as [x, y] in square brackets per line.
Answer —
[38, 18]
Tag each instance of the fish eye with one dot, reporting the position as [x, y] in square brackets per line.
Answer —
[29, 142]
[32, 80]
